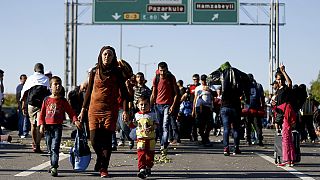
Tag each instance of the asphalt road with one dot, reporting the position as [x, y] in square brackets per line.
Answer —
[189, 161]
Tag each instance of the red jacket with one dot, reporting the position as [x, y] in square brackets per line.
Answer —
[53, 111]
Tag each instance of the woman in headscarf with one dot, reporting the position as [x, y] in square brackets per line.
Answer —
[106, 84]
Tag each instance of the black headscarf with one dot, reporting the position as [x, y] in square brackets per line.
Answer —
[105, 71]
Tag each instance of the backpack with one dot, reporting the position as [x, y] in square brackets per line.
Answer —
[186, 108]
[255, 95]
[234, 83]
[37, 94]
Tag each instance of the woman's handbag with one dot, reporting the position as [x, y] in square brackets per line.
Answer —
[80, 154]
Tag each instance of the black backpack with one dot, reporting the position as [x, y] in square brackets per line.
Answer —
[37, 94]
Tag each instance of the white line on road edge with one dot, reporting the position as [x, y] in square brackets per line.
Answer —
[289, 169]
[32, 170]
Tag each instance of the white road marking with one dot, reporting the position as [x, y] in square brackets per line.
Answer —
[289, 169]
[32, 170]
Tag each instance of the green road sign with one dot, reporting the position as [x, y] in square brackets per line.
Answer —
[215, 12]
[140, 11]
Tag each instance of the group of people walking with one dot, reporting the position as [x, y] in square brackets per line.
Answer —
[114, 97]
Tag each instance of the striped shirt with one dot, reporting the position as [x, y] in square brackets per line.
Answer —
[140, 91]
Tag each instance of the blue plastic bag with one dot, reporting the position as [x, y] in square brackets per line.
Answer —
[133, 134]
[80, 154]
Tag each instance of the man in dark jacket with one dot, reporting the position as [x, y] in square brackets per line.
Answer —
[235, 84]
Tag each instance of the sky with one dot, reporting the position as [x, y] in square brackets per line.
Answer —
[33, 31]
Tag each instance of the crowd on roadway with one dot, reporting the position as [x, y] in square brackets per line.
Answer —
[113, 99]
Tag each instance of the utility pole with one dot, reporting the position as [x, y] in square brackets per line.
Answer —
[145, 68]
[274, 49]
[139, 53]
[67, 44]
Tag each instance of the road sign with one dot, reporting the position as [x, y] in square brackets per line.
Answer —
[140, 11]
[215, 12]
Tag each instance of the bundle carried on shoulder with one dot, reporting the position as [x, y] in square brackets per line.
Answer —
[125, 69]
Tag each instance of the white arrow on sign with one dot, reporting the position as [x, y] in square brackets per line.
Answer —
[116, 16]
[165, 16]
[215, 16]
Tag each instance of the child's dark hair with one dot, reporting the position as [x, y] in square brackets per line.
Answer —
[55, 78]
[143, 98]
[140, 74]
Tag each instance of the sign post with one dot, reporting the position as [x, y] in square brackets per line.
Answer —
[140, 12]
[215, 12]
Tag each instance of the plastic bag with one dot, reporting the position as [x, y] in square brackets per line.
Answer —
[133, 134]
[80, 154]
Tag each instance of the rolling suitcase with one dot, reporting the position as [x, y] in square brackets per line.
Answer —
[278, 147]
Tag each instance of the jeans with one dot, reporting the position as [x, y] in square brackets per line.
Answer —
[230, 116]
[53, 139]
[124, 129]
[23, 123]
[173, 129]
[257, 124]
[205, 122]
[165, 119]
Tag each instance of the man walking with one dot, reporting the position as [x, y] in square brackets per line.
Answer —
[23, 122]
[33, 92]
[165, 97]
[235, 84]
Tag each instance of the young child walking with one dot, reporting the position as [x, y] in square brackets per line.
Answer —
[51, 118]
[145, 123]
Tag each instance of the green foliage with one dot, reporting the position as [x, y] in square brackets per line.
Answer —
[315, 88]
[10, 100]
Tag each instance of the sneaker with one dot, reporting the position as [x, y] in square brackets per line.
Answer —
[226, 151]
[142, 174]
[104, 173]
[283, 164]
[22, 137]
[54, 172]
[291, 164]
[121, 143]
[236, 151]
[174, 142]
[148, 172]
[131, 144]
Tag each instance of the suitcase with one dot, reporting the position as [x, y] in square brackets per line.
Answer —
[278, 147]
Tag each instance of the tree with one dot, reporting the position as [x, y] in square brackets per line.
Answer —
[10, 100]
[315, 88]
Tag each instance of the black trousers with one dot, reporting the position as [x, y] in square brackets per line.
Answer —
[257, 124]
[101, 141]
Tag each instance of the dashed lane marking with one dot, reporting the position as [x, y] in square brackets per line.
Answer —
[289, 169]
[32, 170]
